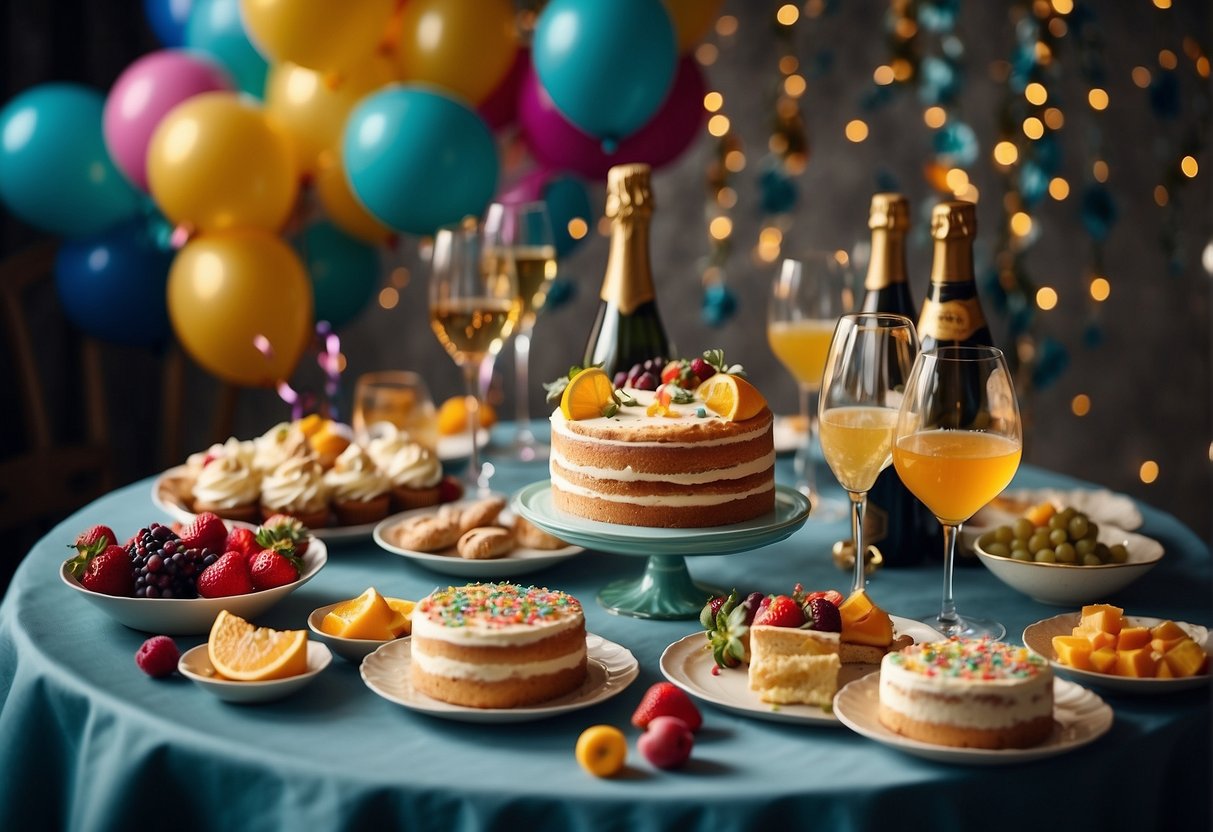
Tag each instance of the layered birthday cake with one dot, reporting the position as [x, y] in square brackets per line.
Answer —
[967, 693]
[497, 645]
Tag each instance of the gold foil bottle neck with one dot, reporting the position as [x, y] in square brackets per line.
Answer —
[628, 191]
[953, 220]
[890, 212]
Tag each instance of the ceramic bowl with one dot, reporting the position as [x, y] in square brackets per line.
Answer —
[1068, 585]
[196, 666]
[194, 616]
[350, 649]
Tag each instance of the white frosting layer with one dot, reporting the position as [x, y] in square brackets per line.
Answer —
[628, 474]
[660, 499]
[449, 668]
[477, 634]
[965, 703]
[637, 417]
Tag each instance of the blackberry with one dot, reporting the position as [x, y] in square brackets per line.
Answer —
[164, 566]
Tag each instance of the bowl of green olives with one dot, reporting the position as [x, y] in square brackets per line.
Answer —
[1068, 558]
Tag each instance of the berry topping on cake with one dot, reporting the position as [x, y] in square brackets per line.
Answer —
[727, 622]
[781, 611]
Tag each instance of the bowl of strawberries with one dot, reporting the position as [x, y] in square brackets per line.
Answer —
[175, 579]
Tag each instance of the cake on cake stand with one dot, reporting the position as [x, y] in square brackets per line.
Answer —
[665, 590]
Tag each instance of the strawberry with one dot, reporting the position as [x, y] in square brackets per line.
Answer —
[104, 568]
[91, 535]
[242, 540]
[664, 699]
[781, 611]
[672, 372]
[157, 657]
[283, 531]
[206, 531]
[831, 595]
[823, 615]
[230, 575]
[274, 567]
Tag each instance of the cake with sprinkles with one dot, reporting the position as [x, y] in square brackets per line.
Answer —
[971, 693]
[497, 645]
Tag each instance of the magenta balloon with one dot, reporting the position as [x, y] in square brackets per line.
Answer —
[142, 96]
[527, 189]
[559, 145]
[500, 109]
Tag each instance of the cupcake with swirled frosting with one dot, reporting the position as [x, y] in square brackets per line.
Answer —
[358, 490]
[413, 470]
[297, 487]
[278, 444]
[226, 483]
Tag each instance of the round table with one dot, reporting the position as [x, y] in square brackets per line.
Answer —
[91, 743]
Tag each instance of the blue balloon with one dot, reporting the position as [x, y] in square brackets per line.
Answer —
[168, 19]
[607, 66]
[215, 27]
[418, 159]
[567, 199]
[55, 172]
[113, 286]
[344, 272]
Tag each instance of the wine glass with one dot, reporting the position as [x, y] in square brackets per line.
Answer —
[958, 444]
[523, 232]
[474, 307]
[870, 358]
[808, 295]
[398, 397]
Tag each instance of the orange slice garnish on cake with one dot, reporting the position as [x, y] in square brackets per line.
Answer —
[731, 397]
[244, 653]
[586, 395]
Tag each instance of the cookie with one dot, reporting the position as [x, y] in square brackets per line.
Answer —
[533, 537]
[429, 533]
[480, 513]
[486, 543]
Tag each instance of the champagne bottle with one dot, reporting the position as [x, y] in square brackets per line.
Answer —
[951, 314]
[900, 526]
[627, 330]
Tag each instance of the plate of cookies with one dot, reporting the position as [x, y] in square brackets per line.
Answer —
[474, 538]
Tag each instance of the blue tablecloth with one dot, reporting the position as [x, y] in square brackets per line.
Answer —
[87, 742]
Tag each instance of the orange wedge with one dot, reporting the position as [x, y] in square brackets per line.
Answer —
[586, 394]
[402, 616]
[244, 653]
[732, 397]
[453, 416]
[310, 423]
[367, 616]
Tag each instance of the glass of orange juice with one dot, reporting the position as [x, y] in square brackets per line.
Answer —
[958, 444]
[398, 397]
[808, 296]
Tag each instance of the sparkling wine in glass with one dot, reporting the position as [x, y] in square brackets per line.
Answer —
[523, 233]
[869, 362]
[474, 307]
[808, 295]
[958, 444]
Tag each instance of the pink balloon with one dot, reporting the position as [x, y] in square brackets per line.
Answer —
[144, 93]
[500, 109]
[559, 145]
[527, 189]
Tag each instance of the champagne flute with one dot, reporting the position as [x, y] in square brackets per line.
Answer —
[474, 307]
[523, 232]
[808, 296]
[870, 358]
[958, 444]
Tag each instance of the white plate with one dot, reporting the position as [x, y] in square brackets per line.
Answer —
[459, 446]
[611, 669]
[520, 561]
[688, 664]
[789, 434]
[1079, 717]
[194, 616]
[166, 488]
[196, 665]
[1038, 638]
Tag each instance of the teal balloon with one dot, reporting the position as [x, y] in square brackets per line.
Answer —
[418, 159]
[607, 66]
[215, 27]
[344, 272]
[55, 172]
[567, 199]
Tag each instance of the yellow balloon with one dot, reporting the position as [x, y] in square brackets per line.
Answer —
[465, 46]
[318, 34]
[692, 19]
[229, 290]
[342, 207]
[311, 107]
[215, 161]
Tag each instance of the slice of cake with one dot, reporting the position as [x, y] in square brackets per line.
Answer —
[967, 693]
[497, 645]
[793, 666]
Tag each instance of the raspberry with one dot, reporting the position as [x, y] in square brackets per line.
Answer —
[157, 657]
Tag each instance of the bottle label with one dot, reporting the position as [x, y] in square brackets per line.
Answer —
[953, 320]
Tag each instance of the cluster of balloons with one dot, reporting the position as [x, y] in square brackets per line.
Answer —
[336, 126]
